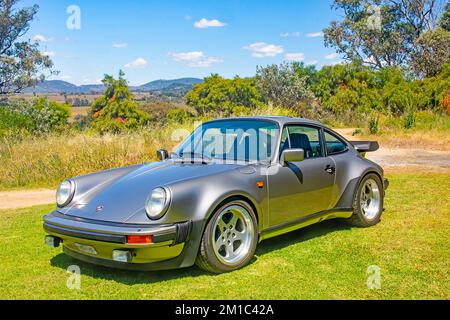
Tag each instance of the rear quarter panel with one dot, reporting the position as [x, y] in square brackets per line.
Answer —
[350, 169]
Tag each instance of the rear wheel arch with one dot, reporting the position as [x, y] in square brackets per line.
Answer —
[359, 217]
[365, 174]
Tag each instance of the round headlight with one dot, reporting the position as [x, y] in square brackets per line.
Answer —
[65, 193]
[157, 203]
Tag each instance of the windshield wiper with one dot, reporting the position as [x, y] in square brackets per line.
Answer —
[193, 157]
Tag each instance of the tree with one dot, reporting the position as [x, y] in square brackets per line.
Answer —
[444, 21]
[282, 86]
[307, 72]
[431, 53]
[217, 95]
[380, 32]
[21, 63]
[116, 109]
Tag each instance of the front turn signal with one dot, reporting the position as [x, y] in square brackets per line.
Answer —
[140, 239]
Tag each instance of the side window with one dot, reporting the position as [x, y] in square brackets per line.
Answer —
[334, 144]
[303, 137]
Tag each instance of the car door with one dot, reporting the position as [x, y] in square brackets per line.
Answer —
[338, 150]
[301, 188]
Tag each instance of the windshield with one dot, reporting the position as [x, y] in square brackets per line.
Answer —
[232, 140]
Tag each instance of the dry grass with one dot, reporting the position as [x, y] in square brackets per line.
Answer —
[428, 140]
[434, 140]
[46, 161]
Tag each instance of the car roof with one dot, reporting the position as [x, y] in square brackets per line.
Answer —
[278, 119]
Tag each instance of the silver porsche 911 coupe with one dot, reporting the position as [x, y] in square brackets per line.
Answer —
[231, 184]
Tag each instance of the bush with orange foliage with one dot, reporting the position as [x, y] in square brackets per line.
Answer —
[446, 103]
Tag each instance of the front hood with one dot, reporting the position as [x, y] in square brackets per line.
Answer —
[122, 199]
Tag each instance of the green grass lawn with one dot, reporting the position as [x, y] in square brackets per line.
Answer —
[326, 261]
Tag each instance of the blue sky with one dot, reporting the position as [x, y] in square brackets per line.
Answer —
[170, 39]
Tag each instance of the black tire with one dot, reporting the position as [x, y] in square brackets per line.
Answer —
[359, 219]
[207, 259]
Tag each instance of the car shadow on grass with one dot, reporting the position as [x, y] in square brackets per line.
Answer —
[127, 277]
[63, 261]
[302, 235]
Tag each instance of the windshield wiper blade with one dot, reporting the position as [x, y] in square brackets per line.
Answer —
[194, 157]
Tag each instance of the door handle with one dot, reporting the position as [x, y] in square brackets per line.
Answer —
[330, 169]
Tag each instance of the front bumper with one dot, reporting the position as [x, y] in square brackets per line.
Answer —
[102, 238]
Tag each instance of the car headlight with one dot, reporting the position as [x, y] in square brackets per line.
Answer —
[65, 193]
[157, 203]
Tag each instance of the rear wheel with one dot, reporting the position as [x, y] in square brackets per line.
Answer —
[230, 238]
[368, 202]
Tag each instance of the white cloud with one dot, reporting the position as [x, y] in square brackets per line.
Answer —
[195, 59]
[331, 56]
[188, 56]
[120, 45]
[312, 63]
[48, 53]
[41, 38]
[205, 23]
[262, 49]
[206, 63]
[294, 34]
[315, 34]
[295, 56]
[137, 64]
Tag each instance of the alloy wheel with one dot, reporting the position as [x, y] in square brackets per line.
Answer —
[232, 235]
[370, 199]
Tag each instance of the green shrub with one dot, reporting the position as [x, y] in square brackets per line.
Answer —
[218, 96]
[241, 111]
[37, 117]
[410, 120]
[178, 115]
[116, 110]
[13, 123]
[374, 125]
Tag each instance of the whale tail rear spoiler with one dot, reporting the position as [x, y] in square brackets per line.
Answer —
[365, 146]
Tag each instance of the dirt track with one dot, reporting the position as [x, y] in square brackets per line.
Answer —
[392, 160]
[27, 198]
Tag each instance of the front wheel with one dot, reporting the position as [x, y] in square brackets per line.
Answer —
[230, 238]
[368, 202]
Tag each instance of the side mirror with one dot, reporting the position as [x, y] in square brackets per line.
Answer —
[162, 154]
[292, 155]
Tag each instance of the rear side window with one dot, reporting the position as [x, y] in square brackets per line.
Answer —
[334, 144]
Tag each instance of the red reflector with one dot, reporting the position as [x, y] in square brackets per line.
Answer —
[145, 239]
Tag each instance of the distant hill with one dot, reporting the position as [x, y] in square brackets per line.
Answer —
[164, 84]
[167, 87]
[54, 86]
